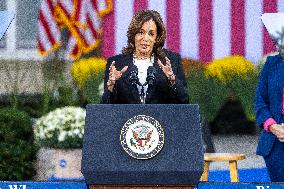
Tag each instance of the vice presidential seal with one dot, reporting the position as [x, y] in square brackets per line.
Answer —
[142, 137]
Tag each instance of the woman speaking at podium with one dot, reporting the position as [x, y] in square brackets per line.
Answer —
[145, 72]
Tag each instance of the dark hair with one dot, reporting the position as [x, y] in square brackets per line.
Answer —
[136, 24]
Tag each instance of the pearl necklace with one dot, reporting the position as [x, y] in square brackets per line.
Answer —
[141, 58]
[135, 59]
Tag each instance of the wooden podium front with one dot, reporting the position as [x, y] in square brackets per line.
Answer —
[107, 164]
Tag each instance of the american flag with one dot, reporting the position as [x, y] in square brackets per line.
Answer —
[48, 29]
[82, 18]
[199, 29]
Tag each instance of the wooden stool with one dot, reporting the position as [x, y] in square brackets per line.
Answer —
[231, 157]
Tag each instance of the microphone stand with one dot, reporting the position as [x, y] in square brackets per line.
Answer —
[142, 93]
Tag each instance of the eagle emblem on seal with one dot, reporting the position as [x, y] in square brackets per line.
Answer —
[140, 140]
[142, 137]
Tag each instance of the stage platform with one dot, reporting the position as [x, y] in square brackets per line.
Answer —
[82, 185]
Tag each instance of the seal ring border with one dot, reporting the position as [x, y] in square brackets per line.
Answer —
[162, 142]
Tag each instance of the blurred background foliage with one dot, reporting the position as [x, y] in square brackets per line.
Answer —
[88, 75]
[224, 89]
[18, 150]
[239, 78]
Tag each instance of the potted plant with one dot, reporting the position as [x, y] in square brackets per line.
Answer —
[59, 133]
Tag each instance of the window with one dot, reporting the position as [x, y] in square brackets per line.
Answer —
[27, 23]
[3, 40]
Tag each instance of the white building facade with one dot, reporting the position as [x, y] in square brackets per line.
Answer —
[20, 40]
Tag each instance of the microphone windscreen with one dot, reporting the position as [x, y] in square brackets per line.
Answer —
[133, 75]
[151, 76]
[151, 70]
[134, 69]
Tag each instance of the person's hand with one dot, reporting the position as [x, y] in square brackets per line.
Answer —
[278, 131]
[167, 69]
[114, 75]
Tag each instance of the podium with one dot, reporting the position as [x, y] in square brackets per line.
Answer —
[178, 158]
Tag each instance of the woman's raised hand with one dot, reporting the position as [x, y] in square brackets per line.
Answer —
[167, 69]
[114, 75]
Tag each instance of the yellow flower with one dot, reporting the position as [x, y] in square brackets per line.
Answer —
[84, 68]
[225, 69]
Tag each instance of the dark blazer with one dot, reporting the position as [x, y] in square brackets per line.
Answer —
[160, 93]
[268, 100]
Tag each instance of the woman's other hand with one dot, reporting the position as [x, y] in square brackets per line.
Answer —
[114, 75]
[278, 131]
[167, 69]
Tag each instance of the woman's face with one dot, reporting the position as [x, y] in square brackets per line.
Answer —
[145, 39]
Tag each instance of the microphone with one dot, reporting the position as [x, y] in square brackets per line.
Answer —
[151, 76]
[133, 77]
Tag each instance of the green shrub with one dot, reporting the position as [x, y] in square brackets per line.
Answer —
[88, 74]
[36, 104]
[18, 150]
[215, 85]
[29, 103]
[91, 89]
[209, 93]
[239, 78]
[244, 90]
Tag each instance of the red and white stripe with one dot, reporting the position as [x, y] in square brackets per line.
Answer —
[203, 29]
[49, 33]
[87, 13]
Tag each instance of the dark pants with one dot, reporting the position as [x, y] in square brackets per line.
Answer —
[275, 162]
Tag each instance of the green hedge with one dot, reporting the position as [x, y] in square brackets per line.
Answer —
[214, 97]
[18, 151]
[91, 90]
[37, 104]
